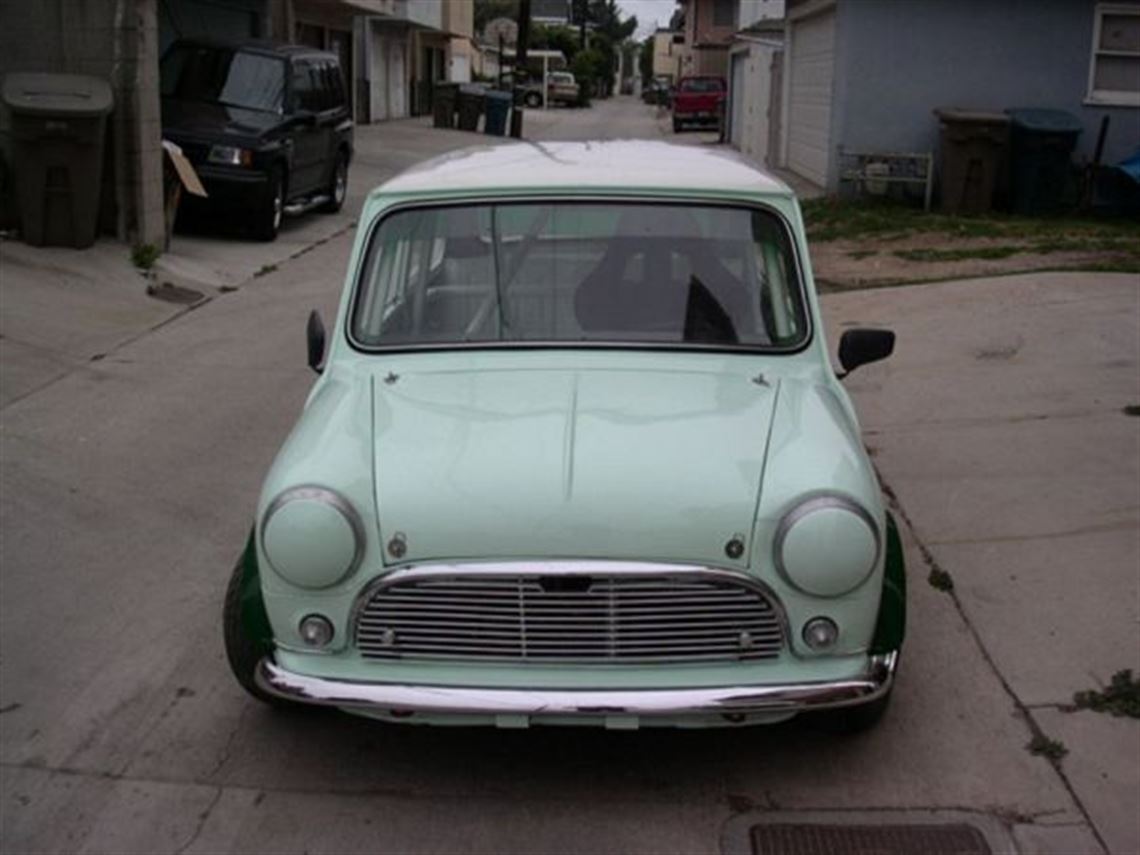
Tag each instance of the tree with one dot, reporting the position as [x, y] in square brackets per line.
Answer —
[488, 10]
[645, 59]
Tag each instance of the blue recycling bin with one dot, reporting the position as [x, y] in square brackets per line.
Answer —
[498, 110]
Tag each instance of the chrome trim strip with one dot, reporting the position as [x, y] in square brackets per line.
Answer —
[871, 683]
[523, 567]
[317, 493]
[808, 506]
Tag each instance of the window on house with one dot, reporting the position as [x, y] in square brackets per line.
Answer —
[724, 13]
[1114, 67]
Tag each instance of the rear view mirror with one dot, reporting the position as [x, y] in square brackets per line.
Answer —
[860, 346]
[315, 333]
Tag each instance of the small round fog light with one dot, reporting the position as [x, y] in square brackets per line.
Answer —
[820, 633]
[316, 630]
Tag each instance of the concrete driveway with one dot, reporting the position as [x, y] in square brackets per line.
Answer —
[128, 485]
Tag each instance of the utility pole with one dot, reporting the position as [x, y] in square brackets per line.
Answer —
[521, 45]
[583, 13]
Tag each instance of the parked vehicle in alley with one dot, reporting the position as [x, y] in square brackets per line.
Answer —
[561, 88]
[659, 91]
[698, 101]
[576, 455]
[267, 127]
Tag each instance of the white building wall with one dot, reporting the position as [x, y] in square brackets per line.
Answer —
[751, 121]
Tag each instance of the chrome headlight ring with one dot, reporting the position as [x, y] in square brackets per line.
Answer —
[813, 504]
[322, 496]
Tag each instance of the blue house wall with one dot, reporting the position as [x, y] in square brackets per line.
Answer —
[897, 60]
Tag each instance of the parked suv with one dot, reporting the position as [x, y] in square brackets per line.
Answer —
[267, 127]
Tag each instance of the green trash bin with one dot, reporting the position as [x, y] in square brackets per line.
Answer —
[1042, 144]
[57, 129]
[470, 106]
[973, 146]
[498, 110]
[443, 104]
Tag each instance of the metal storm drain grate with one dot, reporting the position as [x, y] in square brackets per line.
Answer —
[901, 839]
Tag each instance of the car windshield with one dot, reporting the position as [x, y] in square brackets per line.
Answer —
[216, 75]
[580, 273]
[701, 84]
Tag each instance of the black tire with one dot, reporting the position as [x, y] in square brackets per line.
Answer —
[847, 721]
[272, 208]
[676, 126]
[532, 99]
[242, 651]
[338, 186]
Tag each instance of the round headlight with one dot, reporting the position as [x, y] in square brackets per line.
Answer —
[312, 537]
[826, 546]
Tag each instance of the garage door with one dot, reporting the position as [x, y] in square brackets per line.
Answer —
[809, 104]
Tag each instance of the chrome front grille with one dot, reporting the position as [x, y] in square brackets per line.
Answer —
[595, 618]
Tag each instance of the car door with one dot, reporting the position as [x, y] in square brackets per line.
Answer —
[307, 135]
[332, 117]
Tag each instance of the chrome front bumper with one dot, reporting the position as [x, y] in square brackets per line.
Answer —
[873, 682]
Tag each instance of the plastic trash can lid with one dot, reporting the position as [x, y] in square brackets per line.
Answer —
[40, 94]
[961, 114]
[1051, 121]
[499, 95]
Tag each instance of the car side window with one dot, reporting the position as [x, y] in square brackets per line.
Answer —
[334, 85]
[306, 90]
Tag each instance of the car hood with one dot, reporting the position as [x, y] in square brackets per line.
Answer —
[619, 464]
[200, 121]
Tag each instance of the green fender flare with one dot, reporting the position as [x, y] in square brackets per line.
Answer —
[254, 618]
[890, 628]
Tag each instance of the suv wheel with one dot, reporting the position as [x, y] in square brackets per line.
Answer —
[272, 209]
[532, 99]
[338, 188]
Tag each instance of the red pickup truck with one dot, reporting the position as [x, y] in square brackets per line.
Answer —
[698, 100]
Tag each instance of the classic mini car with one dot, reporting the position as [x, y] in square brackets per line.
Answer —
[576, 454]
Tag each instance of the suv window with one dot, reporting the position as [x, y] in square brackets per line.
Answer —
[307, 89]
[573, 272]
[225, 76]
[702, 84]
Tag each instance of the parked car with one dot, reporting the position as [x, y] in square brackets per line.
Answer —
[560, 85]
[266, 126]
[576, 454]
[698, 101]
[659, 90]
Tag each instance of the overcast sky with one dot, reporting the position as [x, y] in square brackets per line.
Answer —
[650, 14]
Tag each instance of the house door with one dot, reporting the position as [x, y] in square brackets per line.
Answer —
[812, 46]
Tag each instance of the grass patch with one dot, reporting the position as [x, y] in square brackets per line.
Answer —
[265, 270]
[1043, 746]
[144, 255]
[1121, 698]
[829, 219]
[986, 252]
[940, 580]
[862, 253]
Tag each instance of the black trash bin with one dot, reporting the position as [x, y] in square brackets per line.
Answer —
[443, 105]
[498, 110]
[973, 147]
[470, 105]
[1042, 144]
[58, 123]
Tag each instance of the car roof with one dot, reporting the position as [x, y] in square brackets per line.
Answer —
[612, 165]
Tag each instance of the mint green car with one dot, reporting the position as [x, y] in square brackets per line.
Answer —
[576, 455]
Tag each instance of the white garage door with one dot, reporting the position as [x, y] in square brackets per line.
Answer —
[809, 104]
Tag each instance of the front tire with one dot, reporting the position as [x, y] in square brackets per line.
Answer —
[848, 721]
[676, 125]
[272, 208]
[242, 651]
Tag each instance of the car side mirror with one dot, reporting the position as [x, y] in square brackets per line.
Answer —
[315, 334]
[860, 346]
